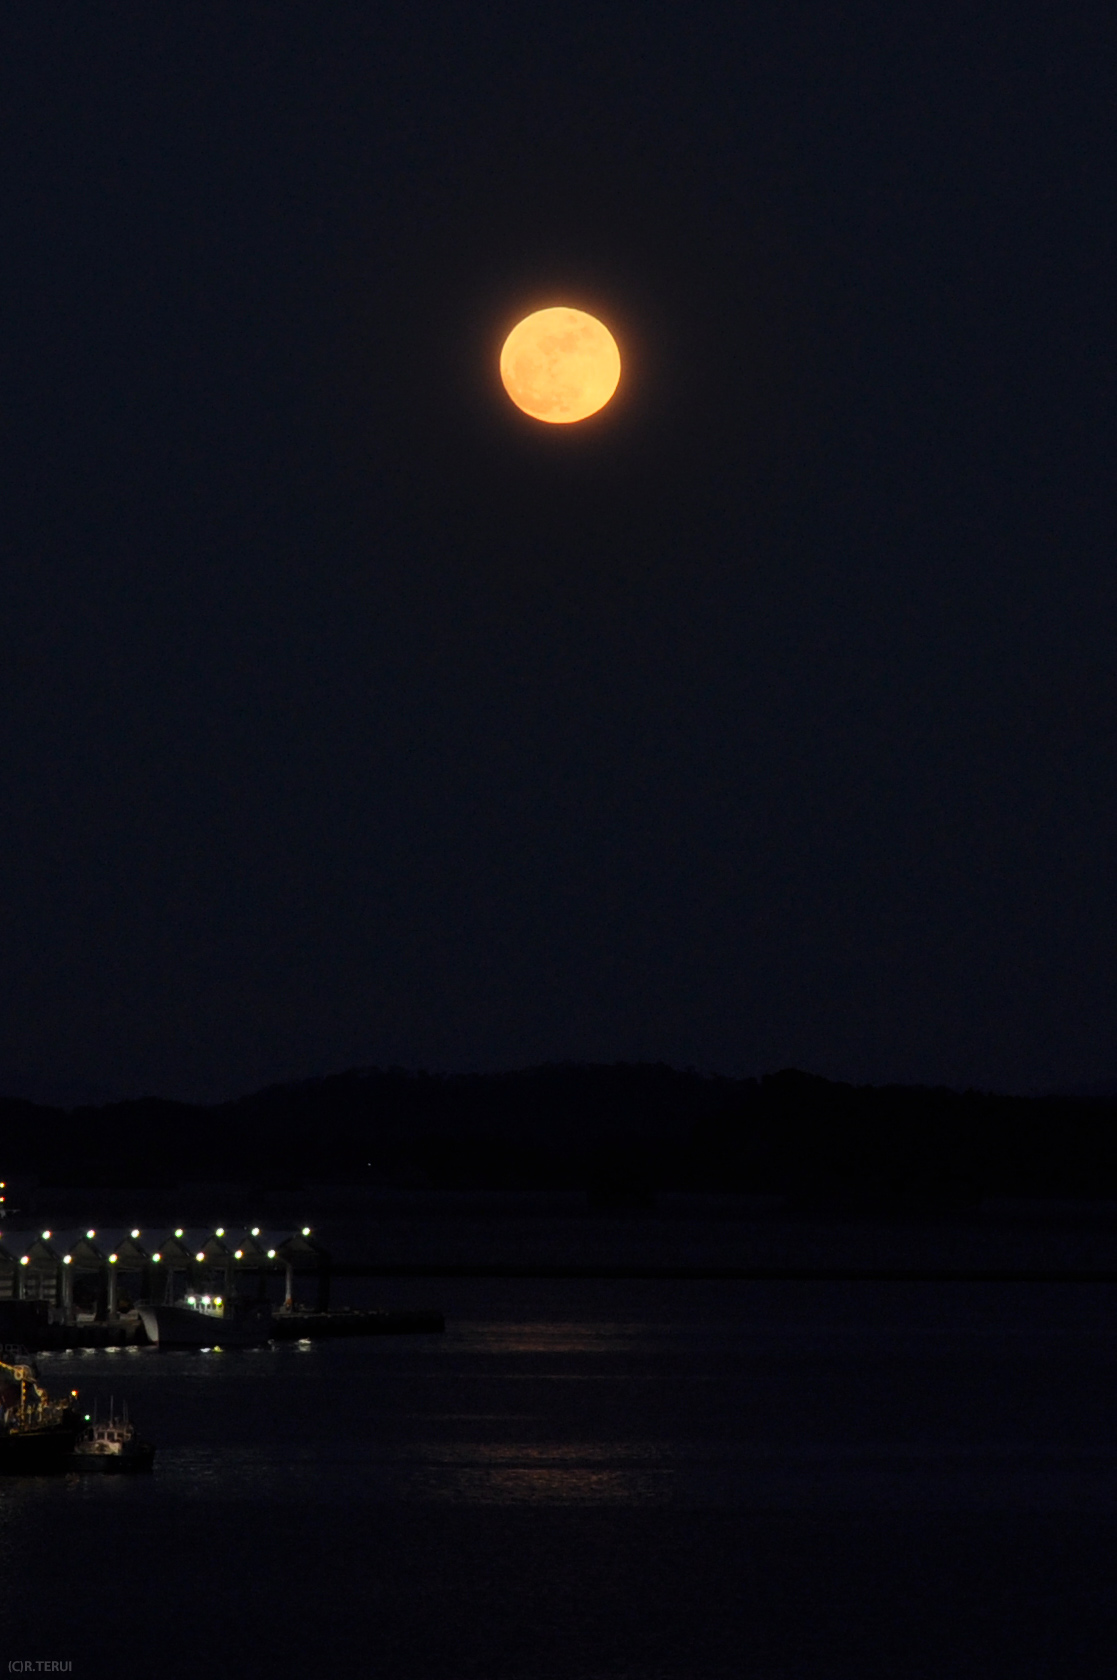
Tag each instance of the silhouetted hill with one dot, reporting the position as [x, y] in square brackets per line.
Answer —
[622, 1129]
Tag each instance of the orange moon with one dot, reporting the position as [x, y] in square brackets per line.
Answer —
[560, 365]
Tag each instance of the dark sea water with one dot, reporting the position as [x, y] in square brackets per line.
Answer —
[596, 1480]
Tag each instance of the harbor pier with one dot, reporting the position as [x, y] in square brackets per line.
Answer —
[83, 1287]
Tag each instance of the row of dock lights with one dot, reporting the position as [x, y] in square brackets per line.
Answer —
[52, 1266]
[180, 1232]
[135, 1235]
[211, 1245]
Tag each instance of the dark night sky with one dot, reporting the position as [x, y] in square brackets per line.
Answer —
[350, 717]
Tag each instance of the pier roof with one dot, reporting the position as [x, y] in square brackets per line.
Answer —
[178, 1246]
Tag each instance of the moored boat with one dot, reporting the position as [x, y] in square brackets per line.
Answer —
[37, 1433]
[113, 1447]
[205, 1322]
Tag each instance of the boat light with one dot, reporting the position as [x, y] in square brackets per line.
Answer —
[46, 1236]
[239, 1255]
[135, 1233]
[271, 1253]
[255, 1230]
[156, 1257]
[91, 1234]
[65, 1259]
[220, 1231]
[306, 1230]
[23, 1259]
[199, 1255]
[112, 1259]
[178, 1233]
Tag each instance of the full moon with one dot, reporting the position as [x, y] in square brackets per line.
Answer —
[560, 365]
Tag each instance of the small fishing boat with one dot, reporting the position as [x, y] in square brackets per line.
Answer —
[112, 1447]
[37, 1434]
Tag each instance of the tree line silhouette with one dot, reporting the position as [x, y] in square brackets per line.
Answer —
[621, 1131]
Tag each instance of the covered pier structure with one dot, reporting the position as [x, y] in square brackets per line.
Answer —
[97, 1274]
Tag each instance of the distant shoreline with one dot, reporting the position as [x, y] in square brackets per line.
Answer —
[738, 1274]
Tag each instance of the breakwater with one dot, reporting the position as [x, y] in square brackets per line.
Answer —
[297, 1326]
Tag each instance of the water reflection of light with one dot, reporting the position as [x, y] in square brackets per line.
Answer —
[543, 1485]
[555, 1338]
[554, 1473]
[531, 1453]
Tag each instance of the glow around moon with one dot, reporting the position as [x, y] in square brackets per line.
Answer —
[560, 365]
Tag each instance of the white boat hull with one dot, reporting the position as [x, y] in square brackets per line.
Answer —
[183, 1327]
